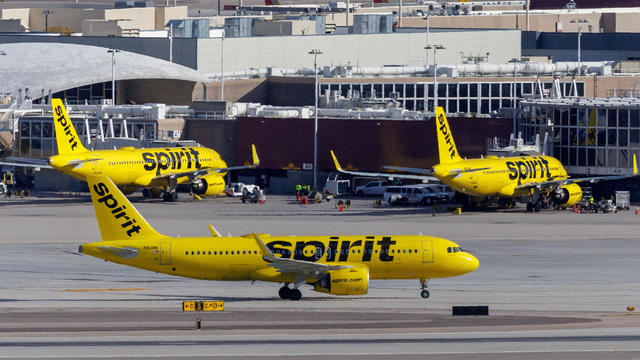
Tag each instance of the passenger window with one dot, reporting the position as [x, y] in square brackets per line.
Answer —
[209, 252]
[186, 253]
[404, 250]
[198, 252]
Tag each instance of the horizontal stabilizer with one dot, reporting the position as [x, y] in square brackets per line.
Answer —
[455, 172]
[125, 252]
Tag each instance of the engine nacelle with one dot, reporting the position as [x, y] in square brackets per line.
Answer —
[208, 185]
[347, 281]
[567, 195]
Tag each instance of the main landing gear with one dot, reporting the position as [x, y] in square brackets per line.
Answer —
[286, 292]
[534, 206]
[170, 196]
[424, 293]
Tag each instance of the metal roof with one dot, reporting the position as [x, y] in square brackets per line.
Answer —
[58, 66]
[627, 102]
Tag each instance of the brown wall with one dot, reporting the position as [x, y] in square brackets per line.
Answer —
[219, 135]
[364, 144]
[175, 92]
[251, 90]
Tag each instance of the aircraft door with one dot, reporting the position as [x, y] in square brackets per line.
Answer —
[427, 251]
[165, 253]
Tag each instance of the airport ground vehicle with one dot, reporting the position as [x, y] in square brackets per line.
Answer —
[410, 194]
[239, 189]
[335, 265]
[372, 188]
[157, 170]
[337, 186]
[492, 179]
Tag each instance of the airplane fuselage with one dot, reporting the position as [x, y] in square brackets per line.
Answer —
[129, 167]
[501, 177]
[240, 258]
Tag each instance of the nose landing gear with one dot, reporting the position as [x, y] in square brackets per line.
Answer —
[424, 284]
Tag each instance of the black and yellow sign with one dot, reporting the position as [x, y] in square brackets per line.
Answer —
[203, 306]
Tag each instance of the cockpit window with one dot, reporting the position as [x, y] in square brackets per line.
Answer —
[449, 249]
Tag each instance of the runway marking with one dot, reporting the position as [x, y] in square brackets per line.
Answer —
[97, 290]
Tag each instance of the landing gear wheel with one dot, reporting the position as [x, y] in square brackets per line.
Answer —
[424, 284]
[284, 292]
[538, 206]
[171, 196]
[146, 193]
[529, 207]
[295, 295]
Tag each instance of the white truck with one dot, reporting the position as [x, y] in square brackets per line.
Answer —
[239, 189]
[336, 186]
[372, 188]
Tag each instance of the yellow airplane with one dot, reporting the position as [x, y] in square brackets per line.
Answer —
[336, 265]
[157, 170]
[527, 178]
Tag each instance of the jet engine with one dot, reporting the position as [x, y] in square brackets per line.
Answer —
[208, 185]
[567, 195]
[347, 281]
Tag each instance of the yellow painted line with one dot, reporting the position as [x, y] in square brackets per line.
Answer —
[96, 290]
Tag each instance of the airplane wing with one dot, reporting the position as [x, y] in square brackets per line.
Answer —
[292, 266]
[592, 179]
[410, 170]
[200, 172]
[387, 175]
[24, 162]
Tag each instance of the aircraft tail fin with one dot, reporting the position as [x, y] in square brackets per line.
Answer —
[446, 146]
[117, 218]
[66, 135]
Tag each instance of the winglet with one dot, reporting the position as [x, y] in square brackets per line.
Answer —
[214, 232]
[635, 165]
[263, 248]
[254, 155]
[335, 161]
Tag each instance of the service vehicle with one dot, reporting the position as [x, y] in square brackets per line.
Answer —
[372, 188]
[239, 189]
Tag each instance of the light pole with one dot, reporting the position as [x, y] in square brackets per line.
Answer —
[435, 72]
[113, 74]
[315, 53]
[3, 53]
[579, 22]
[513, 98]
[426, 55]
[222, 66]
[46, 19]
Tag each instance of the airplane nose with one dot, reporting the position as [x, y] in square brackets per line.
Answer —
[472, 262]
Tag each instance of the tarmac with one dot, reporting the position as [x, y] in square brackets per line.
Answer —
[557, 284]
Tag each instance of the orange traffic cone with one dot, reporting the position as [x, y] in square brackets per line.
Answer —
[341, 208]
[306, 200]
[636, 211]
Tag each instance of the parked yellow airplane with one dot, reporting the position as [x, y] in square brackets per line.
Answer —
[336, 265]
[528, 178]
[157, 170]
